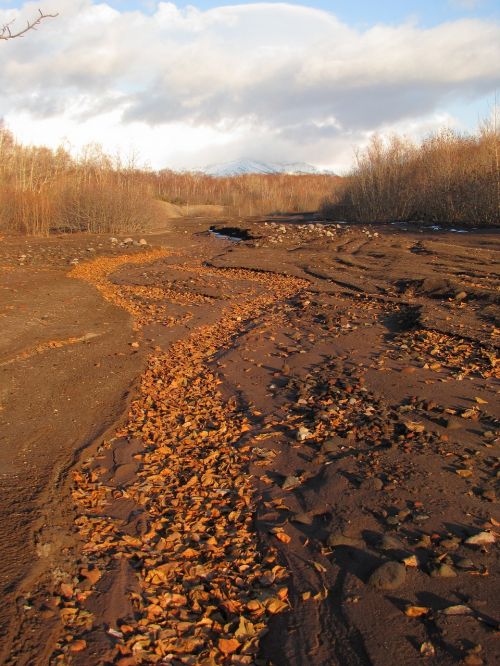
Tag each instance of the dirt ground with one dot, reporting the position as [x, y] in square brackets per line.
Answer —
[280, 450]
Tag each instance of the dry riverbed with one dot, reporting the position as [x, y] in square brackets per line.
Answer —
[280, 450]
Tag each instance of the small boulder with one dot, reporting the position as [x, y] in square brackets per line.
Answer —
[391, 543]
[290, 482]
[338, 539]
[389, 576]
[443, 571]
[303, 433]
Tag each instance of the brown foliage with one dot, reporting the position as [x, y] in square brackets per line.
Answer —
[44, 191]
[248, 195]
[449, 179]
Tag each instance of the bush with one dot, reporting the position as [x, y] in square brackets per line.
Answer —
[44, 191]
[449, 179]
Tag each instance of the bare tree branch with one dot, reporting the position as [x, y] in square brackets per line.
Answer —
[6, 29]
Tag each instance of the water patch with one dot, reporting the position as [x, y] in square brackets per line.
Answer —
[234, 234]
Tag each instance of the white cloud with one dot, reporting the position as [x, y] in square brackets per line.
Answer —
[272, 81]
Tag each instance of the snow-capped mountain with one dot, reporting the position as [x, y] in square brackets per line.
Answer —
[247, 166]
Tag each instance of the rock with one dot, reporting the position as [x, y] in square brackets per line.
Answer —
[458, 609]
[302, 518]
[290, 482]
[443, 571]
[473, 660]
[74, 262]
[449, 544]
[414, 426]
[143, 241]
[134, 345]
[389, 576]
[464, 563]
[391, 543]
[461, 295]
[489, 495]
[410, 561]
[424, 541]
[481, 539]
[372, 483]
[392, 521]
[113, 240]
[128, 241]
[92, 575]
[331, 445]
[452, 424]
[303, 434]
[339, 539]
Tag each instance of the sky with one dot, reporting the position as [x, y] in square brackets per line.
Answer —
[185, 84]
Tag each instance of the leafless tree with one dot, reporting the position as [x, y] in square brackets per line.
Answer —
[7, 32]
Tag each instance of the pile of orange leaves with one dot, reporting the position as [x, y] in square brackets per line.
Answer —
[206, 591]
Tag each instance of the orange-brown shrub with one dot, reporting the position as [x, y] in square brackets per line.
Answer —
[247, 195]
[449, 178]
[43, 190]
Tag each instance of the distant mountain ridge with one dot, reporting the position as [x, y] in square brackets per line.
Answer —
[246, 166]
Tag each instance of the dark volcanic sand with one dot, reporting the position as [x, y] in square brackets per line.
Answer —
[380, 359]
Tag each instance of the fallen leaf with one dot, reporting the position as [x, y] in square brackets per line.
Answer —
[464, 473]
[228, 645]
[78, 646]
[245, 629]
[67, 590]
[416, 611]
[319, 567]
[275, 606]
[427, 649]
[281, 536]
[321, 595]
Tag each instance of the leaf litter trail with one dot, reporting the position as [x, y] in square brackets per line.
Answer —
[194, 586]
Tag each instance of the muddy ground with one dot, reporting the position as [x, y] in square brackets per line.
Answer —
[210, 447]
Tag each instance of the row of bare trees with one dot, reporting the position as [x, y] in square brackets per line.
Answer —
[247, 195]
[449, 178]
[44, 191]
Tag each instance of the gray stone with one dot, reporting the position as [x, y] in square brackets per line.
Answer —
[443, 571]
[338, 539]
[391, 543]
[449, 544]
[464, 563]
[302, 518]
[290, 482]
[389, 576]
